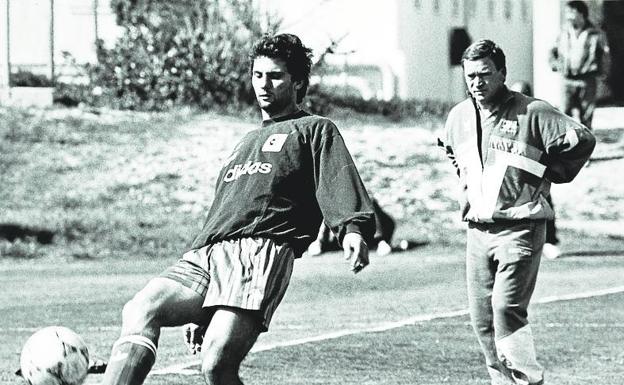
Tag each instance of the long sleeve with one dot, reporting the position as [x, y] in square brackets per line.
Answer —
[568, 145]
[340, 192]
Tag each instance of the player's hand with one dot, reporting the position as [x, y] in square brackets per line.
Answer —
[356, 251]
[194, 337]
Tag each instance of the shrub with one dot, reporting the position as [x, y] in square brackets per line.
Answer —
[323, 101]
[28, 79]
[188, 52]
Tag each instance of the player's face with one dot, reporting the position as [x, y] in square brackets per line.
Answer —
[276, 91]
[574, 17]
[484, 81]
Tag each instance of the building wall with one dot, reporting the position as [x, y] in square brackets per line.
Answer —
[74, 31]
[384, 48]
[408, 41]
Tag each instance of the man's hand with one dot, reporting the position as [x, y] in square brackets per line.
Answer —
[355, 250]
[194, 337]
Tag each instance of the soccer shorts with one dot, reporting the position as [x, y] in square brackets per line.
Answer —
[247, 273]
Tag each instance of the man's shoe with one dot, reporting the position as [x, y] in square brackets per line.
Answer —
[315, 248]
[383, 248]
[551, 251]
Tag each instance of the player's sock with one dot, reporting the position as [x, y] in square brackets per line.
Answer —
[131, 359]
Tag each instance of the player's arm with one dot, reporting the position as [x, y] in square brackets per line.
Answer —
[568, 144]
[341, 195]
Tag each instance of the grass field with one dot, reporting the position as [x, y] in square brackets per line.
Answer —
[93, 204]
[400, 321]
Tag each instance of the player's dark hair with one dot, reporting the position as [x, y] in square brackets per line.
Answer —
[580, 7]
[290, 49]
[485, 48]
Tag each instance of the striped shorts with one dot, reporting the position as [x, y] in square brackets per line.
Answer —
[245, 273]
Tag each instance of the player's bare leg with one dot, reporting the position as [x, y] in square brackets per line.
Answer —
[229, 337]
[162, 302]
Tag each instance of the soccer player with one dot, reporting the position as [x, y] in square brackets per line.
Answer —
[271, 195]
[507, 148]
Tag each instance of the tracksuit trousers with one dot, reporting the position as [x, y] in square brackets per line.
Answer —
[502, 261]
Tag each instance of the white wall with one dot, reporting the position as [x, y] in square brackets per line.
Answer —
[409, 40]
[4, 68]
[546, 26]
[510, 28]
[74, 31]
[30, 34]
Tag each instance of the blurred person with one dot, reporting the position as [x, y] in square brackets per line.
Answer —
[551, 249]
[381, 242]
[271, 195]
[580, 55]
[507, 149]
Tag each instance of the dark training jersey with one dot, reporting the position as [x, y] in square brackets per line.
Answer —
[282, 180]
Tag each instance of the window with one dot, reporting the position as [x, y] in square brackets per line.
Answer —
[471, 7]
[455, 7]
[436, 6]
[507, 9]
[524, 10]
[491, 8]
[417, 4]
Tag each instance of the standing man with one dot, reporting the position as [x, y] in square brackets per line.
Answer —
[581, 56]
[507, 149]
[271, 195]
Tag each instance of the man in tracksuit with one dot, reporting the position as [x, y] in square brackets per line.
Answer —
[508, 148]
[581, 56]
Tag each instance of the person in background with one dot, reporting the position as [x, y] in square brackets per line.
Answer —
[507, 149]
[551, 249]
[273, 191]
[581, 56]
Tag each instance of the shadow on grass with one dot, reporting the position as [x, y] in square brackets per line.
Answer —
[593, 253]
[12, 232]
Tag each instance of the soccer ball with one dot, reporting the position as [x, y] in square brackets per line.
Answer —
[54, 355]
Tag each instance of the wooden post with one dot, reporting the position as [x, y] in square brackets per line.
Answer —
[95, 19]
[5, 64]
[52, 69]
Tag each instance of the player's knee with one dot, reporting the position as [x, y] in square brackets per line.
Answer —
[142, 309]
[508, 314]
[215, 366]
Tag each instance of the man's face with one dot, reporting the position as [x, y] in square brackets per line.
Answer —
[275, 90]
[574, 17]
[484, 81]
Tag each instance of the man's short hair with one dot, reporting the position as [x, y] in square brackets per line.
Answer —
[485, 48]
[288, 48]
[579, 6]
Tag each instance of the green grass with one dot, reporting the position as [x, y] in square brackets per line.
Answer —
[577, 340]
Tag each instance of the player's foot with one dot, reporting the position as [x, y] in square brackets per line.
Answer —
[551, 251]
[383, 248]
[315, 248]
[97, 366]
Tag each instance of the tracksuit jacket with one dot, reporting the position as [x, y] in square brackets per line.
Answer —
[580, 57]
[507, 162]
[282, 180]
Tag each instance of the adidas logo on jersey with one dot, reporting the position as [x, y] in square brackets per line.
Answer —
[248, 168]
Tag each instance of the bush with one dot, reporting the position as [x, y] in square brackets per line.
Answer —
[192, 52]
[28, 79]
[323, 101]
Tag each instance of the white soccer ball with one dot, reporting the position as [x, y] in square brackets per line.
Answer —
[55, 355]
